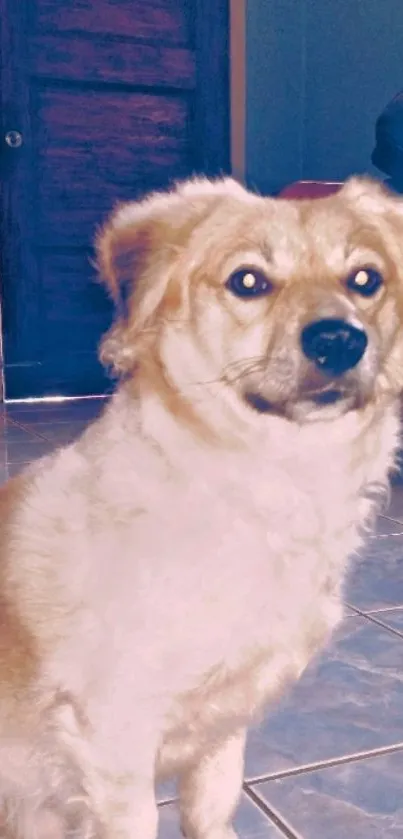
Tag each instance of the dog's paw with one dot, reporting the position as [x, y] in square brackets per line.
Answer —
[216, 833]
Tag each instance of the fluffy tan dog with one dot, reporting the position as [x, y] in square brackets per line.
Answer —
[169, 573]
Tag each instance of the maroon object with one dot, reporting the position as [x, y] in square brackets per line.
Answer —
[310, 189]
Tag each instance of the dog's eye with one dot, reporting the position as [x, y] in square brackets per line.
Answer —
[249, 282]
[365, 281]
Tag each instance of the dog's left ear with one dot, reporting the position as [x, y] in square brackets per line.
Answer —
[382, 209]
[373, 197]
[367, 194]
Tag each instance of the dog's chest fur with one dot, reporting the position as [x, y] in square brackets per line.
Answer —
[225, 577]
[272, 549]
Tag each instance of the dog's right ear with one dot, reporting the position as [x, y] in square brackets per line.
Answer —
[127, 249]
[136, 253]
[162, 221]
[122, 246]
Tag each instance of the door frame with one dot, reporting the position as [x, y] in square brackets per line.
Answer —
[212, 45]
[238, 91]
[14, 22]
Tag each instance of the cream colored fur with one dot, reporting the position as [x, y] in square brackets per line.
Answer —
[166, 576]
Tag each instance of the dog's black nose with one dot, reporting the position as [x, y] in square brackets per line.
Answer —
[334, 345]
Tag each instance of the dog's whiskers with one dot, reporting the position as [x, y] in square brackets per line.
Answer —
[237, 370]
[226, 378]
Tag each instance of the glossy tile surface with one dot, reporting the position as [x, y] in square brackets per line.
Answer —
[250, 822]
[391, 618]
[359, 800]
[394, 510]
[349, 701]
[375, 580]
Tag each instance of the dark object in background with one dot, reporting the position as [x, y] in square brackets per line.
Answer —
[388, 152]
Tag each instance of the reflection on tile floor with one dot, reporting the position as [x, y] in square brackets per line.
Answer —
[356, 800]
[250, 822]
[350, 700]
[327, 762]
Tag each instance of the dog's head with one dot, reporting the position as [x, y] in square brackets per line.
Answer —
[286, 307]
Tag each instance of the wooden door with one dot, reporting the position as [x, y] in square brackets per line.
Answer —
[102, 100]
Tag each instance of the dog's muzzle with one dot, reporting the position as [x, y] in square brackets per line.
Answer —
[333, 345]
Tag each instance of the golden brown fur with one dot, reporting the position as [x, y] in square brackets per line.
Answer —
[163, 578]
[18, 658]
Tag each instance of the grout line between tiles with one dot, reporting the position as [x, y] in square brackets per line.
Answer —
[354, 757]
[376, 536]
[306, 768]
[272, 814]
[38, 401]
[286, 829]
[390, 518]
[381, 610]
[29, 430]
[386, 535]
[166, 801]
[370, 617]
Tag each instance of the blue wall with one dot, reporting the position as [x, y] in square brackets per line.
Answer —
[318, 74]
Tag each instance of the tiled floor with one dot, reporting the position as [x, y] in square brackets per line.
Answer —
[327, 763]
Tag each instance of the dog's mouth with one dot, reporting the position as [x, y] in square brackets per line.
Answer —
[260, 404]
[328, 397]
[305, 403]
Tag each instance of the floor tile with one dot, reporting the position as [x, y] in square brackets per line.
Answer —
[30, 413]
[359, 800]
[60, 433]
[349, 700]
[60, 423]
[387, 527]
[166, 790]
[18, 445]
[394, 509]
[392, 618]
[27, 450]
[15, 468]
[375, 579]
[249, 822]
[15, 433]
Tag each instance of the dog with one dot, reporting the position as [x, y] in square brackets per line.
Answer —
[167, 575]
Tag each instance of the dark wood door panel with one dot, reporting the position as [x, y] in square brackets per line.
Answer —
[61, 374]
[95, 149]
[112, 98]
[168, 21]
[71, 294]
[114, 118]
[143, 65]
[75, 311]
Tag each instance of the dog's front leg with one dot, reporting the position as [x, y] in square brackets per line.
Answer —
[116, 771]
[124, 801]
[132, 811]
[209, 791]
[123, 806]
